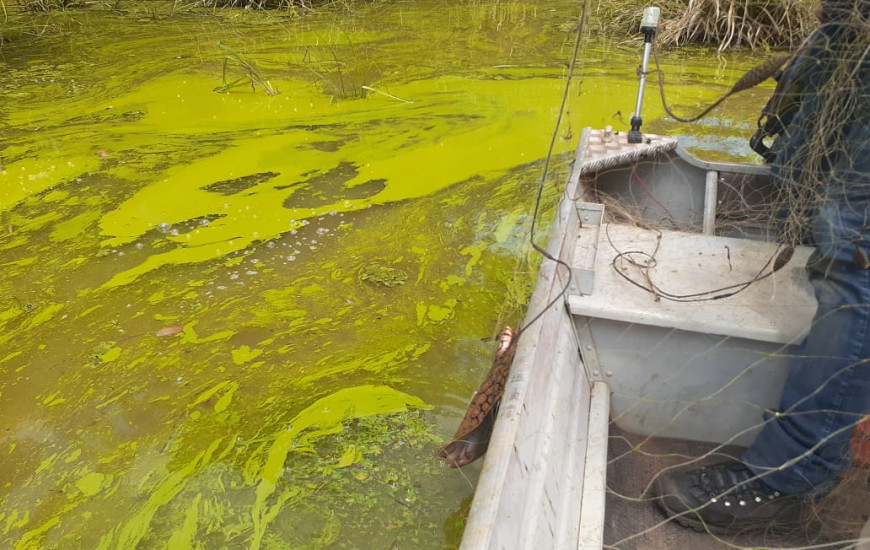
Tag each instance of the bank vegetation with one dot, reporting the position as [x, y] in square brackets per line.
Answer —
[725, 24]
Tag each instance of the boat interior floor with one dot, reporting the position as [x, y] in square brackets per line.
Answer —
[634, 522]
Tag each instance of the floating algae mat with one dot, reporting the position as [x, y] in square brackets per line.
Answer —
[237, 319]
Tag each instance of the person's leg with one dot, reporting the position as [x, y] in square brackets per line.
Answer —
[822, 162]
[806, 443]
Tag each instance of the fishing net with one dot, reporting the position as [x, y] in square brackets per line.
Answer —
[812, 212]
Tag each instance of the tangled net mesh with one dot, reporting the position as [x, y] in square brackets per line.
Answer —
[813, 177]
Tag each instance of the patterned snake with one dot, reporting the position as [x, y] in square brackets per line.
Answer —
[472, 437]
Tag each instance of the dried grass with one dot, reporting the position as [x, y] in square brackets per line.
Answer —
[727, 24]
[42, 6]
[293, 6]
[740, 23]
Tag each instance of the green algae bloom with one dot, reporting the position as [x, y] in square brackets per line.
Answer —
[300, 402]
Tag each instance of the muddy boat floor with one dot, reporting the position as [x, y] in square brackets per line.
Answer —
[634, 522]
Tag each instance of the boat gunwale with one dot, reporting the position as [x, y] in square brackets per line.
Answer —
[485, 505]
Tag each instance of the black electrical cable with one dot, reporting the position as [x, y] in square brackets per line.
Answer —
[545, 172]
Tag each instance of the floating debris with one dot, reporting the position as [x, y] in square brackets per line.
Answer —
[169, 331]
[383, 275]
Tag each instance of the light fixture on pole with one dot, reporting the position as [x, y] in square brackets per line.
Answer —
[648, 26]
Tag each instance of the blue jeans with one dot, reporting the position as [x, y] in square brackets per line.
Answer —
[803, 447]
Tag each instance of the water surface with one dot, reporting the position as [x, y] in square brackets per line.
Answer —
[330, 263]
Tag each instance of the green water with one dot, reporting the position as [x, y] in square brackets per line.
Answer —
[330, 263]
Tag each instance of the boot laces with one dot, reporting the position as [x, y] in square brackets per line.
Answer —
[733, 482]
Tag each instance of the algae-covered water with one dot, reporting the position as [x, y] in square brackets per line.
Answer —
[242, 320]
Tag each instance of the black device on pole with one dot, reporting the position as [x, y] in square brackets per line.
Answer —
[648, 25]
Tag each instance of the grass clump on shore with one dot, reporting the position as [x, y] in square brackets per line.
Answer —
[293, 6]
[726, 24]
[38, 6]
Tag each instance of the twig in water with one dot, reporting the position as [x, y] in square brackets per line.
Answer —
[391, 96]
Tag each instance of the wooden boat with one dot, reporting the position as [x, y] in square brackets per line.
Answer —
[641, 340]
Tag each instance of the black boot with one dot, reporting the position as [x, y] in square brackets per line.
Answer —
[723, 499]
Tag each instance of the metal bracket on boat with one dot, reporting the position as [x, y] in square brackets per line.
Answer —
[591, 215]
[588, 349]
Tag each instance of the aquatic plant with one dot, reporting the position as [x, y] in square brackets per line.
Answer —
[342, 79]
[251, 75]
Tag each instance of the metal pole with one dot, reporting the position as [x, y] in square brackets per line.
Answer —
[647, 47]
[648, 25]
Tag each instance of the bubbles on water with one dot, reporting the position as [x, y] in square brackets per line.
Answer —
[164, 227]
[139, 246]
[291, 258]
[322, 231]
